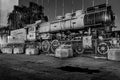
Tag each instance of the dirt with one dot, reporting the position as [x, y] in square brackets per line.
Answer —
[22, 67]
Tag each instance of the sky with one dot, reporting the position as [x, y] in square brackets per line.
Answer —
[6, 6]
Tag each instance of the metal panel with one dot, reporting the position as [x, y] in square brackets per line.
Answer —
[17, 36]
[55, 26]
[45, 27]
[67, 25]
[19, 33]
[78, 23]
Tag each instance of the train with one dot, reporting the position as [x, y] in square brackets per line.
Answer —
[82, 29]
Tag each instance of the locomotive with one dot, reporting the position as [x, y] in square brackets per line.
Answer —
[73, 28]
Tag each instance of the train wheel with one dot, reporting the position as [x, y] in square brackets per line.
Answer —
[45, 46]
[103, 48]
[79, 49]
[54, 44]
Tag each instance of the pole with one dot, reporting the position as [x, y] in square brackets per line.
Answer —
[63, 8]
[93, 3]
[55, 8]
[48, 8]
[72, 6]
[82, 4]
[107, 2]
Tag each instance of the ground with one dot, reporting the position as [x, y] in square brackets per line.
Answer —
[44, 67]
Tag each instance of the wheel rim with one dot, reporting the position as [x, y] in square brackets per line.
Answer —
[103, 48]
[45, 46]
[54, 45]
